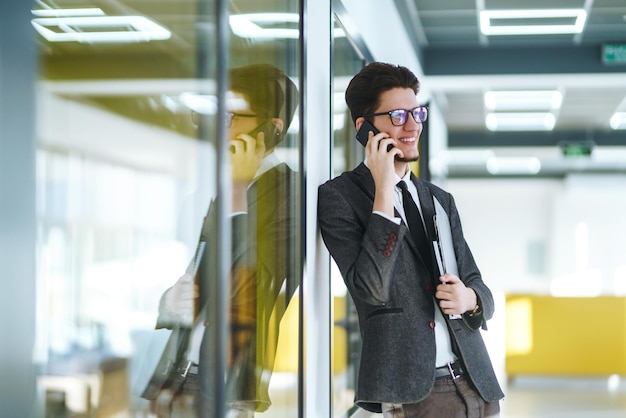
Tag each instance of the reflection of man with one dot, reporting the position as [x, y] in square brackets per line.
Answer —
[261, 104]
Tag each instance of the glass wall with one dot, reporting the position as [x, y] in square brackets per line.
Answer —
[349, 56]
[168, 174]
[346, 336]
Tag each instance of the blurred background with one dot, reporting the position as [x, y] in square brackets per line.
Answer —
[105, 177]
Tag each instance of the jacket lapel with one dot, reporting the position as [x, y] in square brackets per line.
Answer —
[364, 180]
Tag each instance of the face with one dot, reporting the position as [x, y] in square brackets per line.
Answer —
[406, 136]
[244, 119]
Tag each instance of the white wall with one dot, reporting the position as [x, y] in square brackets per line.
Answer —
[523, 232]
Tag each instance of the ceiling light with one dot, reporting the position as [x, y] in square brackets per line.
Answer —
[100, 29]
[513, 165]
[532, 21]
[523, 100]
[466, 156]
[92, 11]
[205, 104]
[264, 26]
[520, 121]
[618, 120]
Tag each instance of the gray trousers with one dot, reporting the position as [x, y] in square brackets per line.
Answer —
[450, 398]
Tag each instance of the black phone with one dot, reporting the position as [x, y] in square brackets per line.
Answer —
[363, 134]
[272, 134]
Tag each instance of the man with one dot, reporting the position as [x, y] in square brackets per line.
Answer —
[422, 353]
[261, 104]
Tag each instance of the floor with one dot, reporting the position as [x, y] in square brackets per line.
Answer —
[539, 397]
[565, 398]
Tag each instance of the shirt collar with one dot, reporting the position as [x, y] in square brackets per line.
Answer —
[267, 163]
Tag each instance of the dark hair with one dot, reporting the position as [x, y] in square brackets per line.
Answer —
[365, 88]
[269, 91]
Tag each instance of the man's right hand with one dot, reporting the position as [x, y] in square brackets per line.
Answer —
[179, 301]
[381, 165]
[246, 156]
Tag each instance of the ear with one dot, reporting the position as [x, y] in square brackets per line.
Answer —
[358, 122]
[279, 124]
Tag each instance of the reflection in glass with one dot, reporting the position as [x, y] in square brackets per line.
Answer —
[346, 154]
[126, 174]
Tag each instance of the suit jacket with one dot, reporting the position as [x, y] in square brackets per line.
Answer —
[263, 260]
[393, 289]
[262, 283]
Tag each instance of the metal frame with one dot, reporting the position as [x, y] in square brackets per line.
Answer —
[316, 129]
[17, 210]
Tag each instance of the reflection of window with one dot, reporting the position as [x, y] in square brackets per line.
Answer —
[347, 153]
[108, 249]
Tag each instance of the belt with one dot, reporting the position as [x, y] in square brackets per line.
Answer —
[453, 370]
[186, 378]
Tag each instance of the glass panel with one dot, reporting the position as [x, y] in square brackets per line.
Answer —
[264, 143]
[347, 153]
[127, 169]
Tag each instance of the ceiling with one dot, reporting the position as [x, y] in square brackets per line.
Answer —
[460, 64]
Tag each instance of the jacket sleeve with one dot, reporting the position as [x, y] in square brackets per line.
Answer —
[363, 244]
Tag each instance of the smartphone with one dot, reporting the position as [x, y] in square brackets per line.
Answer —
[363, 134]
[271, 136]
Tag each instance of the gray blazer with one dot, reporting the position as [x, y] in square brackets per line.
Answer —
[393, 293]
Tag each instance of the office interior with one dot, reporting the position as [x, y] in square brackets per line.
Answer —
[105, 179]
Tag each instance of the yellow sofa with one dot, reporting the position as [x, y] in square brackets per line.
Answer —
[567, 336]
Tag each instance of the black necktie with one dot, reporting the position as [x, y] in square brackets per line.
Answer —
[416, 227]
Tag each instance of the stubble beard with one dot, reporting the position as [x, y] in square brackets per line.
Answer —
[408, 160]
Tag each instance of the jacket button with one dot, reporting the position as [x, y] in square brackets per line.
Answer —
[429, 288]
[431, 324]
[387, 253]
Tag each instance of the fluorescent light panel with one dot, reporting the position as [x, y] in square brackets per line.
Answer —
[251, 25]
[100, 29]
[513, 165]
[618, 120]
[92, 11]
[520, 121]
[200, 103]
[263, 26]
[523, 100]
[489, 21]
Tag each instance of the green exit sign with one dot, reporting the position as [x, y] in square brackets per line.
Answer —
[614, 54]
[576, 149]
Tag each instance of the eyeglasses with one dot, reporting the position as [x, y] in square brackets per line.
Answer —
[400, 116]
[228, 117]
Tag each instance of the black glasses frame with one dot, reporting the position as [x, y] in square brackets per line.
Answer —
[229, 116]
[417, 112]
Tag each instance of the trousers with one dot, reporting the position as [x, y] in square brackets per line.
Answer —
[450, 398]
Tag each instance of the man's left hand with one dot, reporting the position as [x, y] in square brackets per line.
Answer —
[454, 297]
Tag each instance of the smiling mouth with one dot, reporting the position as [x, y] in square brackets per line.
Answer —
[407, 140]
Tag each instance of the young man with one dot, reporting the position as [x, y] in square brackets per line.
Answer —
[422, 354]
